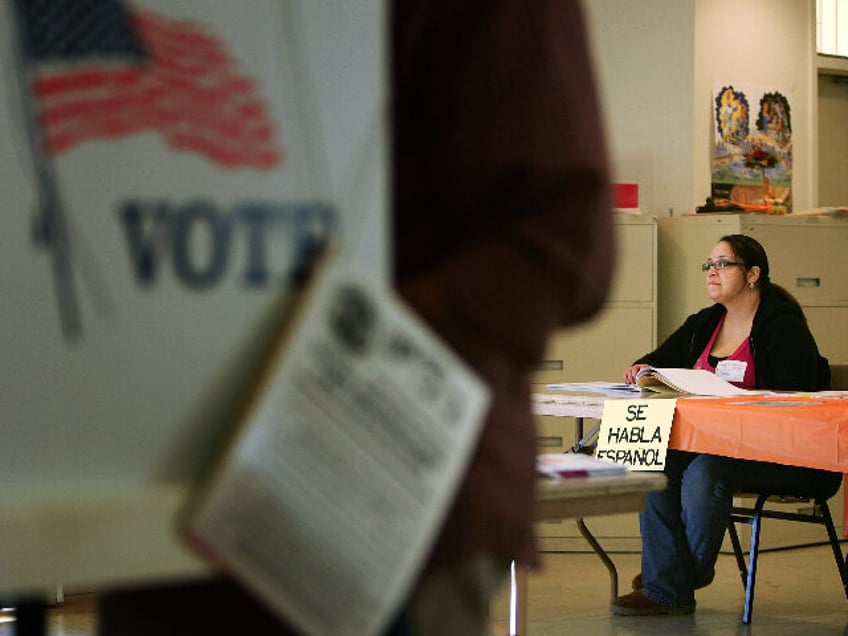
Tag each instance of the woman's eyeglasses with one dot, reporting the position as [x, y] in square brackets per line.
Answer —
[719, 265]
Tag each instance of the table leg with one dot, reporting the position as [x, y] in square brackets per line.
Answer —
[518, 599]
[518, 579]
[602, 555]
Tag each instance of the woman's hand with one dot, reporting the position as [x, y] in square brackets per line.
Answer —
[630, 374]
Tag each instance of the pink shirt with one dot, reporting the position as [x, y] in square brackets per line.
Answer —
[737, 368]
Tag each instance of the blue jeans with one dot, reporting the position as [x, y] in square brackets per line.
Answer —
[683, 526]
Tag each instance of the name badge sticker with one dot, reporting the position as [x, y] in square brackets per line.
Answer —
[731, 370]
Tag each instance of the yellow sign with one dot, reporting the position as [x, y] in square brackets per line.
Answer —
[636, 432]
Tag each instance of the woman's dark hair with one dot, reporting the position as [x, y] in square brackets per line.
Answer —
[752, 254]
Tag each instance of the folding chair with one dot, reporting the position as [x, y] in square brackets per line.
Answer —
[754, 515]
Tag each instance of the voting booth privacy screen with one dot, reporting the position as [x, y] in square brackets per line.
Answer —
[168, 170]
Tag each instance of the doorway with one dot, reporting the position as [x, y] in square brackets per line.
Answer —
[833, 140]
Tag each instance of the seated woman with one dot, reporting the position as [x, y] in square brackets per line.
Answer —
[756, 337]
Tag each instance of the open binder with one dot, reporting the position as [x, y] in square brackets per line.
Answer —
[687, 381]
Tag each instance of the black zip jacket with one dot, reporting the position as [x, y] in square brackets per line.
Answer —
[786, 357]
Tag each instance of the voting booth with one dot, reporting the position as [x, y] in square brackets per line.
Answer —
[169, 169]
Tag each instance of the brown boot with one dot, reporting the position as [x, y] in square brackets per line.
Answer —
[637, 604]
[636, 584]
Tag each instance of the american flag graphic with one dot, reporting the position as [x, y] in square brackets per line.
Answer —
[100, 69]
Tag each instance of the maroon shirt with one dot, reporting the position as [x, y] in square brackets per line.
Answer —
[502, 223]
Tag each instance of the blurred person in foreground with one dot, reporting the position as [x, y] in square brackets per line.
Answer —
[502, 234]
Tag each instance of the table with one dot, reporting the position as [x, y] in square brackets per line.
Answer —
[809, 429]
[576, 498]
[798, 429]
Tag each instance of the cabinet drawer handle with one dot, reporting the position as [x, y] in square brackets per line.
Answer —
[808, 281]
[551, 365]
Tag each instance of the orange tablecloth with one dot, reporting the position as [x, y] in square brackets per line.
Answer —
[802, 430]
[807, 431]
[799, 430]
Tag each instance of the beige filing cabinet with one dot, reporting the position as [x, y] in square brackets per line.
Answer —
[601, 350]
[808, 255]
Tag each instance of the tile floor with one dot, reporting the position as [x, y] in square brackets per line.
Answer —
[799, 593]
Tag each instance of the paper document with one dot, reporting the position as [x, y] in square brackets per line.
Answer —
[564, 465]
[568, 405]
[823, 211]
[611, 389]
[329, 495]
[687, 381]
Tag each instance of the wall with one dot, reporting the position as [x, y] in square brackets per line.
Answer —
[833, 140]
[657, 61]
[765, 42]
[644, 58]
